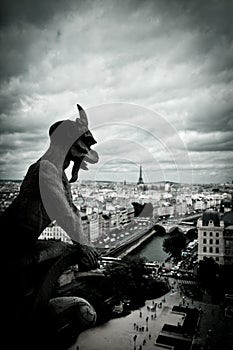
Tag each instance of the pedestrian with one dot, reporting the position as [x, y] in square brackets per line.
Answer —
[134, 325]
[140, 314]
[144, 342]
[152, 317]
[149, 336]
[134, 341]
[137, 328]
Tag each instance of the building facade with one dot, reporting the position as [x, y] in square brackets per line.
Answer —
[228, 238]
[215, 239]
[53, 231]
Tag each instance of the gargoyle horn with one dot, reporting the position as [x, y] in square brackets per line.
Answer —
[83, 116]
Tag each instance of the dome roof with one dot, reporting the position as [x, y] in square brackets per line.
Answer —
[212, 215]
[227, 202]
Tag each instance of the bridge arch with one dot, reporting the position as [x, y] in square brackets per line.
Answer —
[160, 230]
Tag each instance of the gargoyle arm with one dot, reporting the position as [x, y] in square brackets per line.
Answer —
[56, 203]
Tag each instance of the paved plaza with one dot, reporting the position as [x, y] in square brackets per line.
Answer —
[140, 329]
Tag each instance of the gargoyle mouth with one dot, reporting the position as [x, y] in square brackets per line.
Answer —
[91, 157]
[81, 152]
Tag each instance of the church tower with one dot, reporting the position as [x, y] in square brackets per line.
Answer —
[140, 180]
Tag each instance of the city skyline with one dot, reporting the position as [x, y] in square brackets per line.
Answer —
[155, 78]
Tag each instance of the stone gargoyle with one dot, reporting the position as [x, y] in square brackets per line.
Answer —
[31, 267]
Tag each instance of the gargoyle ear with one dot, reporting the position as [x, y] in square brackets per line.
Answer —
[83, 116]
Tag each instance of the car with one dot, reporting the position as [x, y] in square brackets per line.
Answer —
[173, 273]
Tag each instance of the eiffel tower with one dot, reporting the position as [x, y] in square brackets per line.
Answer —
[140, 180]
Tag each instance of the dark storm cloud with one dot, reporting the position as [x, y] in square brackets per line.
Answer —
[21, 23]
[211, 142]
[36, 12]
[174, 57]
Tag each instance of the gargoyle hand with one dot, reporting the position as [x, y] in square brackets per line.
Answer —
[88, 257]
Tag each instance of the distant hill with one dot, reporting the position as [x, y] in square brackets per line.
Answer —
[10, 180]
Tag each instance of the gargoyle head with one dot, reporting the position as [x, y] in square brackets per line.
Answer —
[77, 139]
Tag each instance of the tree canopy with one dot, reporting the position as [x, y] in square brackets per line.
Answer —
[174, 243]
[207, 271]
[127, 276]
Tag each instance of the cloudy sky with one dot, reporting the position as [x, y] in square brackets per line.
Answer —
[156, 79]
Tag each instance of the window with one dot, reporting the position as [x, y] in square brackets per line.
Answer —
[217, 234]
[217, 241]
[211, 250]
[204, 233]
[211, 241]
[204, 249]
[211, 234]
[204, 241]
[217, 250]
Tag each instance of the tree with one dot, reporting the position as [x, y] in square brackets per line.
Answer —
[174, 243]
[137, 268]
[192, 234]
[224, 272]
[207, 272]
[127, 276]
[121, 279]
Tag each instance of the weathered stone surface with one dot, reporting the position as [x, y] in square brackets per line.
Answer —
[31, 267]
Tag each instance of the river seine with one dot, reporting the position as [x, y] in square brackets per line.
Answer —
[152, 250]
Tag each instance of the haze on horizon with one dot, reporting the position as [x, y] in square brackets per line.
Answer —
[156, 78]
